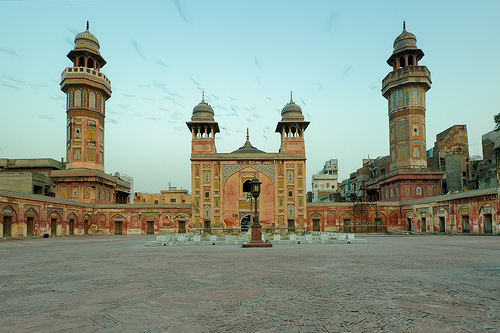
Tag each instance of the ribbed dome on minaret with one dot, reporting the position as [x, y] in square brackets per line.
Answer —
[203, 111]
[405, 44]
[86, 44]
[291, 111]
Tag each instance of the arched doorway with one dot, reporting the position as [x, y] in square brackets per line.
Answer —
[55, 220]
[31, 220]
[245, 223]
[8, 219]
[71, 223]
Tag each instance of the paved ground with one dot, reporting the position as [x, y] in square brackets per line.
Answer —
[116, 284]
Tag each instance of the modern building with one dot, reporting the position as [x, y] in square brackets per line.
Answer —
[324, 182]
[483, 172]
[29, 175]
[170, 196]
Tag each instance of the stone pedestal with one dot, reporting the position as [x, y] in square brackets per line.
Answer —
[256, 240]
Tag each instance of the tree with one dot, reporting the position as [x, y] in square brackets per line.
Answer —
[496, 118]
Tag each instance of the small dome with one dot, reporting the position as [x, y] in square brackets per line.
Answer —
[291, 110]
[86, 39]
[203, 110]
[406, 40]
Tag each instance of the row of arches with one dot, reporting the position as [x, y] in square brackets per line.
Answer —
[33, 224]
[88, 62]
[352, 221]
[463, 218]
[404, 61]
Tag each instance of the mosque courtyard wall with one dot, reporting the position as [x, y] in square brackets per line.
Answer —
[31, 215]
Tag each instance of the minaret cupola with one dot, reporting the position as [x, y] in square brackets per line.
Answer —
[86, 51]
[292, 127]
[203, 128]
[405, 51]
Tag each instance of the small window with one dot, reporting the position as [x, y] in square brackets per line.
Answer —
[172, 200]
[156, 201]
[207, 194]
[290, 194]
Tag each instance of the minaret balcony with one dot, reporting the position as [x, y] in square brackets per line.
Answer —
[90, 74]
[406, 75]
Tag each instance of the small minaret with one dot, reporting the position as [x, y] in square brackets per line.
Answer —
[87, 90]
[405, 89]
[203, 128]
[292, 127]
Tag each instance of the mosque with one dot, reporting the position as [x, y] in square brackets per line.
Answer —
[86, 200]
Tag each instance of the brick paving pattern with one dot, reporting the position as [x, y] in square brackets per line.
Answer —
[116, 284]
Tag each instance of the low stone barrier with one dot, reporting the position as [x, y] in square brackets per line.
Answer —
[313, 237]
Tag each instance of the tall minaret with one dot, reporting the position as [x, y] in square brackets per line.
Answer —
[292, 127]
[405, 88]
[203, 128]
[87, 90]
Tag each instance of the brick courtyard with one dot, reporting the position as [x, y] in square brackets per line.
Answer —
[116, 284]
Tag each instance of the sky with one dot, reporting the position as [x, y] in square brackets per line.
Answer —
[247, 56]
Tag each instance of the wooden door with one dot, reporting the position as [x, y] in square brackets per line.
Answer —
[465, 224]
[487, 224]
[316, 225]
[207, 226]
[182, 227]
[118, 228]
[151, 228]
[30, 226]
[53, 227]
[71, 226]
[6, 226]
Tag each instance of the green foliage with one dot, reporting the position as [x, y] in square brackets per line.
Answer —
[496, 118]
[476, 163]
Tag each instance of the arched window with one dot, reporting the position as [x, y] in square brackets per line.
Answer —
[402, 61]
[81, 62]
[90, 63]
[410, 60]
[246, 186]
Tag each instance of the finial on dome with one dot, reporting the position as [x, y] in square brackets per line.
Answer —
[87, 25]
[203, 96]
[404, 25]
[291, 100]
[248, 135]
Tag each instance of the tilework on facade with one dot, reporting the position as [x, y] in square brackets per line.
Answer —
[229, 169]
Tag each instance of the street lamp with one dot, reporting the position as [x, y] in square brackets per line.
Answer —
[256, 237]
[255, 190]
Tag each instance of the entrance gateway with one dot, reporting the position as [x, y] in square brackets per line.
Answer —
[245, 223]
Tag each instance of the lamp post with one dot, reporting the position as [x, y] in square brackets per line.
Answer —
[256, 240]
[255, 190]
